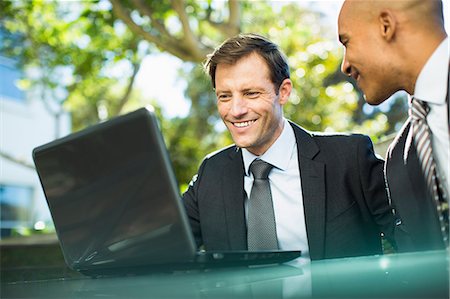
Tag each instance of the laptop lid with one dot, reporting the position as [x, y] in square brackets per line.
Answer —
[113, 195]
[115, 202]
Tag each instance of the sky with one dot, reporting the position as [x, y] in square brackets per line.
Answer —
[161, 69]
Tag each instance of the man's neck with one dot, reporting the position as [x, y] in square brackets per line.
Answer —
[420, 58]
[430, 85]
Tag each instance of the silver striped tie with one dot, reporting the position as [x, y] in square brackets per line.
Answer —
[422, 141]
[261, 227]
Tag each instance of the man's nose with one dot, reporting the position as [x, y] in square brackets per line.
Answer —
[238, 106]
[346, 68]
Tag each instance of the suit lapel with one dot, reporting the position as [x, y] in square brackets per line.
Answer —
[233, 199]
[410, 158]
[312, 174]
[410, 197]
[447, 101]
[401, 154]
[415, 171]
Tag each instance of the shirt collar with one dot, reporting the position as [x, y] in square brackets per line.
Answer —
[279, 154]
[431, 84]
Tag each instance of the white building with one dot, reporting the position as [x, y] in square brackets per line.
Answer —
[25, 123]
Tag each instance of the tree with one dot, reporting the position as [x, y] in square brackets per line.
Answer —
[84, 43]
[98, 47]
[318, 103]
[74, 50]
[193, 22]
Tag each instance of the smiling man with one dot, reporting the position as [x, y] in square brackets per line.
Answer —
[402, 45]
[280, 186]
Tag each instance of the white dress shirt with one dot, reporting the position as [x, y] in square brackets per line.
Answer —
[286, 190]
[431, 87]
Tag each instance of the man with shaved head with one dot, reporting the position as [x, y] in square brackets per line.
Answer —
[402, 45]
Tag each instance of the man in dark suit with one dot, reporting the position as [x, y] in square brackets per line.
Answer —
[402, 45]
[326, 192]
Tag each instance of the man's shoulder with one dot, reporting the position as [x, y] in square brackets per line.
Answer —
[330, 136]
[224, 152]
[343, 144]
[340, 137]
[398, 144]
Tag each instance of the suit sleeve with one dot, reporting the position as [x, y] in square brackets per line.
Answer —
[190, 201]
[374, 188]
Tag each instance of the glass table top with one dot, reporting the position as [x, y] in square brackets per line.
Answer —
[406, 275]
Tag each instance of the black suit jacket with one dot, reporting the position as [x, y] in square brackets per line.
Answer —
[344, 197]
[417, 225]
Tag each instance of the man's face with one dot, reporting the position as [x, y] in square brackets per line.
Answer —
[248, 103]
[365, 57]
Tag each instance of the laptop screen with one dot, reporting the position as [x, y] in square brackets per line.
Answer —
[113, 196]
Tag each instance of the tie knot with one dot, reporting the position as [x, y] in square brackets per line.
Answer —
[419, 109]
[260, 169]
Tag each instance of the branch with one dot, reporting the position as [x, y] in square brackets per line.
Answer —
[122, 14]
[15, 160]
[188, 35]
[144, 9]
[233, 26]
[43, 78]
[235, 16]
[187, 51]
[191, 43]
[126, 96]
[171, 45]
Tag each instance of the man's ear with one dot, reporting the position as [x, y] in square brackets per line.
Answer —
[387, 24]
[285, 91]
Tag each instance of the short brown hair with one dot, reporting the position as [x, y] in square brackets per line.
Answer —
[235, 48]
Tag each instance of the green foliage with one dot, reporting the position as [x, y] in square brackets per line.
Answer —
[190, 138]
[85, 56]
[314, 56]
[306, 51]
[79, 55]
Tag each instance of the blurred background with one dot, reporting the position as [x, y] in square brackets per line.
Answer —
[66, 65]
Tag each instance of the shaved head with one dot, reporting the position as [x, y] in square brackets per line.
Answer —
[380, 39]
[418, 11]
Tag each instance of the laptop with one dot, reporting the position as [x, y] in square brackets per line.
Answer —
[116, 205]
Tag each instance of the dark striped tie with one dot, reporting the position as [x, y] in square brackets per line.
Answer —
[261, 228]
[422, 141]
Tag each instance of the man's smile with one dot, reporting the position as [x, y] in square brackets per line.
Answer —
[243, 124]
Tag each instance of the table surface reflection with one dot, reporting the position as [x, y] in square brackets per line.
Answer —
[406, 275]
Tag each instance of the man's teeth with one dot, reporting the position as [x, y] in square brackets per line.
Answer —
[244, 124]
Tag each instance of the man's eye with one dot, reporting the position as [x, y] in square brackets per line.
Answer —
[223, 97]
[252, 94]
